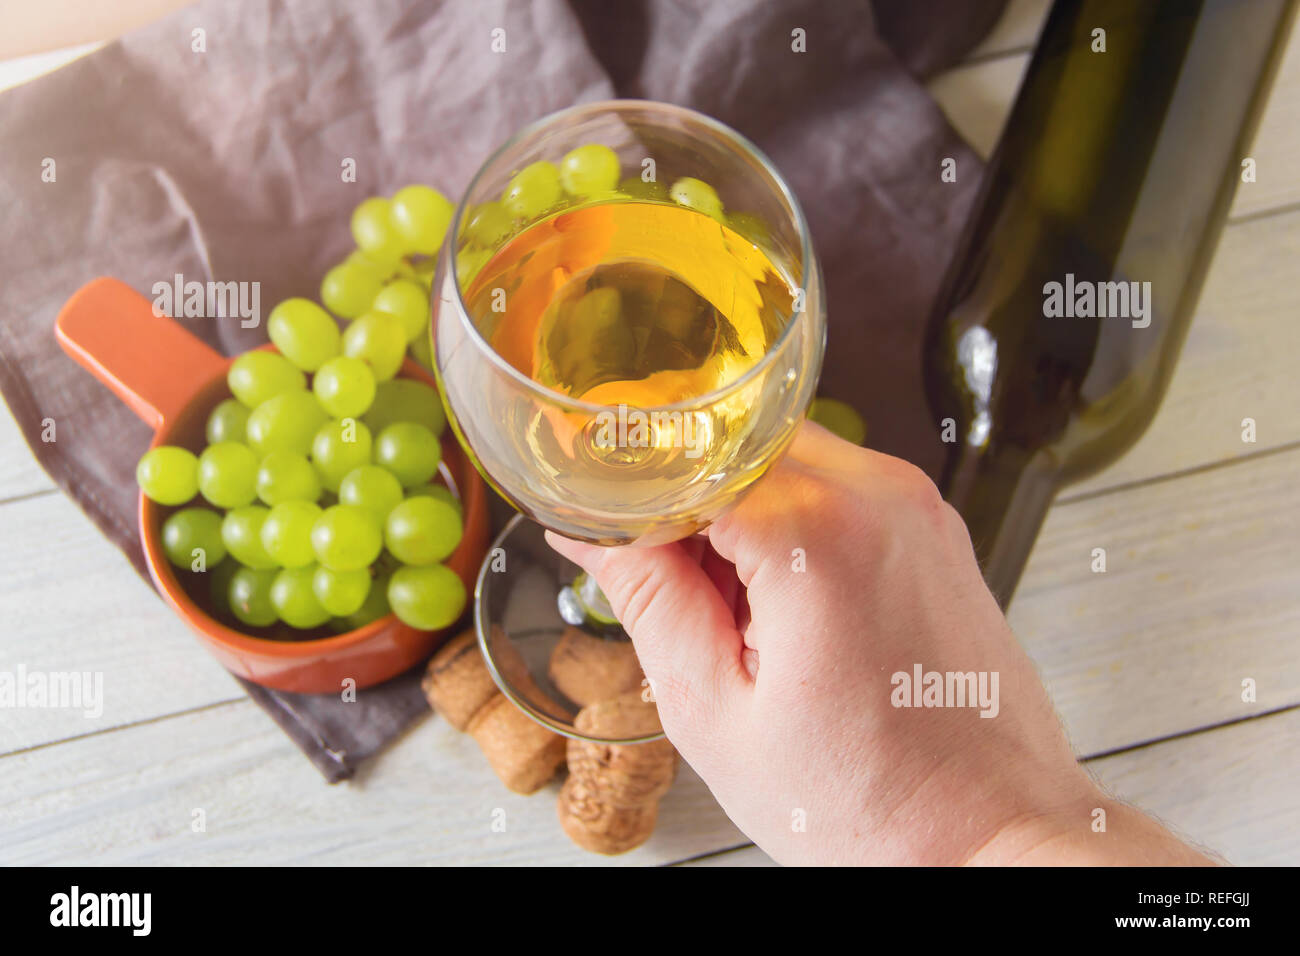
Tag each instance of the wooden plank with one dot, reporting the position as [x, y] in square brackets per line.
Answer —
[127, 797]
[1238, 362]
[977, 97]
[1277, 143]
[740, 856]
[70, 602]
[1233, 789]
[20, 69]
[55, 24]
[1199, 593]
[1015, 32]
[20, 475]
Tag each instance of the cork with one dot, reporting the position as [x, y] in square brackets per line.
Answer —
[524, 754]
[598, 827]
[622, 775]
[587, 669]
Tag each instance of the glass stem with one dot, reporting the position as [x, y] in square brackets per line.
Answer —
[582, 602]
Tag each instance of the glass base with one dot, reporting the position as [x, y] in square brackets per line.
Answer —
[546, 651]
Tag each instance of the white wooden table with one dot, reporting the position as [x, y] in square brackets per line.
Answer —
[1145, 662]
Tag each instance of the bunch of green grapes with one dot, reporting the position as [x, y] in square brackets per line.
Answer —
[323, 504]
[382, 289]
[587, 174]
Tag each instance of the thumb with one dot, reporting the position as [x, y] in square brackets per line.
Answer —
[684, 633]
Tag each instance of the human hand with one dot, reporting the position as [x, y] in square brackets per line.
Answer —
[773, 658]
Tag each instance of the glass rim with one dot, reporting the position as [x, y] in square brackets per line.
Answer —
[550, 395]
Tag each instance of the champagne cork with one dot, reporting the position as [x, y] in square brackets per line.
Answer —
[610, 802]
[524, 754]
[459, 686]
[598, 827]
[457, 683]
[622, 775]
[587, 669]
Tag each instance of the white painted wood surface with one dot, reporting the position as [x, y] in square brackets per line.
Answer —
[1145, 661]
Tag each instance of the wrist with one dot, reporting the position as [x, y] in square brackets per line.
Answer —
[1092, 830]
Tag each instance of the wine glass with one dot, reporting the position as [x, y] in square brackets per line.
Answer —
[628, 327]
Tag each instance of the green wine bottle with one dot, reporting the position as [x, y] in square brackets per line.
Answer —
[1059, 321]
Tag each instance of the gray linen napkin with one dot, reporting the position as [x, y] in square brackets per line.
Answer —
[224, 164]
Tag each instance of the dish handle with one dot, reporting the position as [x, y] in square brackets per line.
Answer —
[148, 360]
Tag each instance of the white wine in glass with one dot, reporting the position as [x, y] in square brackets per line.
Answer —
[623, 364]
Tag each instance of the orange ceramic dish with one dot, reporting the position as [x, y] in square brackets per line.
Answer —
[173, 380]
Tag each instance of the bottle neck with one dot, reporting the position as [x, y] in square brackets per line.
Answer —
[1003, 498]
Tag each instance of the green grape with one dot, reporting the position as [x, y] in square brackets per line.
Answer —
[250, 596]
[441, 493]
[410, 451]
[346, 537]
[638, 188]
[839, 418]
[386, 563]
[488, 223]
[193, 530]
[468, 264]
[374, 231]
[341, 592]
[379, 340]
[406, 301]
[422, 530]
[589, 170]
[422, 351]
[750, 227]
[422, 215]
[338, 448]
[228, 474]
[372, 488]
[294, 599]
[227, 421]
[406, 400]
[348, 289]
[285, 423]
[241, 533]
[375, 606]
[534, 189]
[379, 271]
[426, 599]
[259, 375]
[344, 386]
[698, 195]
[168, 475]
[304, 333]
[425, 273]
[219, 577]
[286, 533]
[287, 476]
